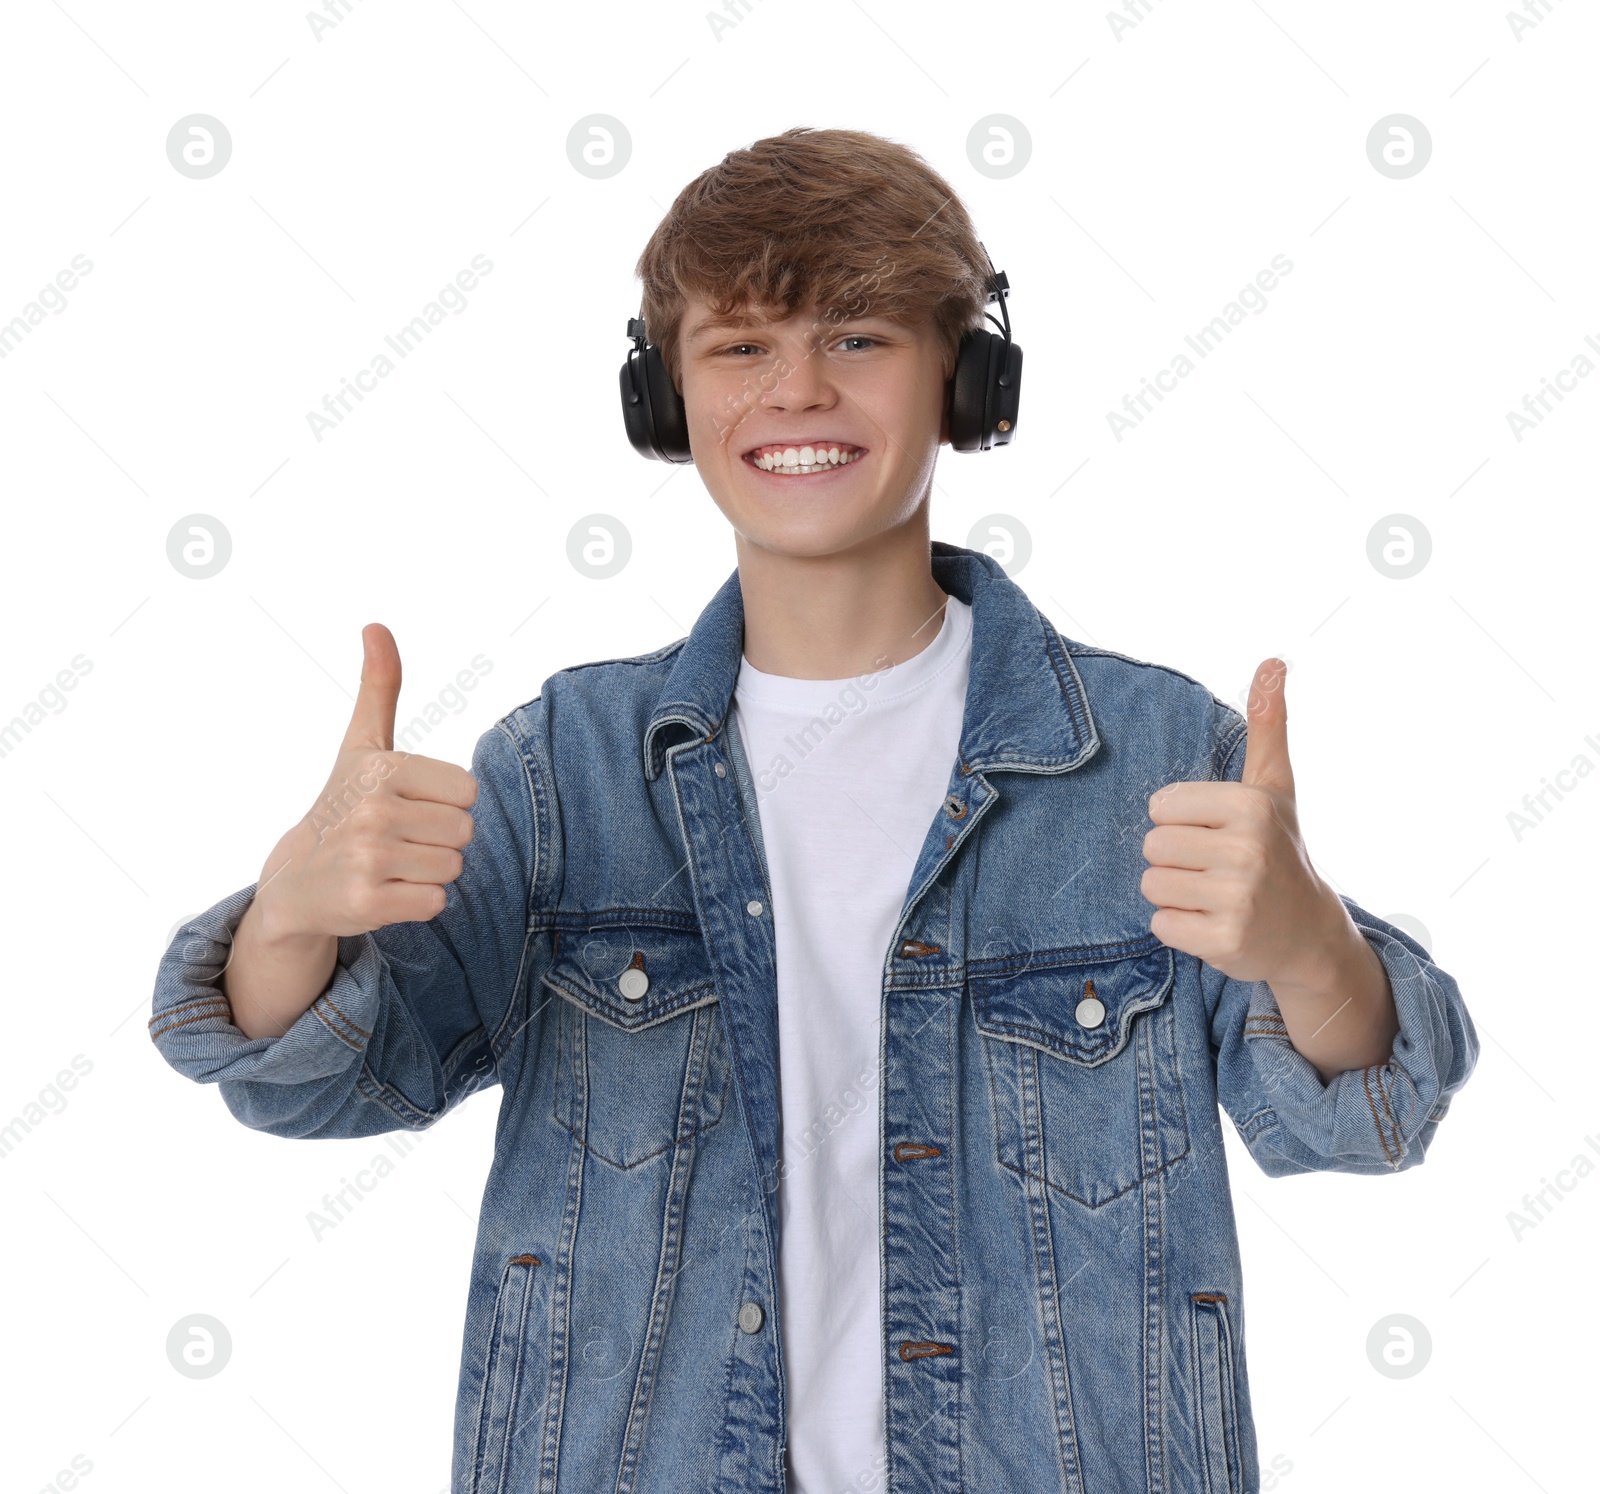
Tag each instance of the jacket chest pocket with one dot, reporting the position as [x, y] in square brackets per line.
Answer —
[1081, 1055]
[641, 1055]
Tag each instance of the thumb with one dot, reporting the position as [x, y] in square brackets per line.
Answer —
[372, 720]
[1266, 748]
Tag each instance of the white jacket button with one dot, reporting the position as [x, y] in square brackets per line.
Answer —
[633, 983]
[1091, 1011]
[751, 1317]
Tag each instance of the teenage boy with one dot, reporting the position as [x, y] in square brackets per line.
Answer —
[865, 973]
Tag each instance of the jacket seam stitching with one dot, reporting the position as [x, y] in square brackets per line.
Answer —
[1383, 1141]
[532, 780]
[1082, 724]
[322, 1016]
[179, 1006]
[223, 1012]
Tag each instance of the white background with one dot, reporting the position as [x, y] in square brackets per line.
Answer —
[1168, 166]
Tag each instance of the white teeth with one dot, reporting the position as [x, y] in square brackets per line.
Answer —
[799, 460]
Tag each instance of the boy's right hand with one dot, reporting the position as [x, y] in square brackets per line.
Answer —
[385, 835]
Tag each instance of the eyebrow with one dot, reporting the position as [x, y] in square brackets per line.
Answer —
[717, 324]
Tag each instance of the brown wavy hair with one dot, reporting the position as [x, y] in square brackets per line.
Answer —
[844, 221]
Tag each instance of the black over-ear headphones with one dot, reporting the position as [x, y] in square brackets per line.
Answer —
[982, 397]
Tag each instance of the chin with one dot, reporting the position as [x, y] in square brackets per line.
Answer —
[810, 540]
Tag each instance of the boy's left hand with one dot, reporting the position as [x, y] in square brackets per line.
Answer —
[1228, 870]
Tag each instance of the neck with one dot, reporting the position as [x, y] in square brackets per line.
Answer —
[832, 617]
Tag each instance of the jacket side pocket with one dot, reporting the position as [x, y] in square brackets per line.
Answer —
[502, 1376]
[1216, 1411]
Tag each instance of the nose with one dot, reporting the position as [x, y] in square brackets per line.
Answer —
[798, 380]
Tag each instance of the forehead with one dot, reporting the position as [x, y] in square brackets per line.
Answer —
[699, 323]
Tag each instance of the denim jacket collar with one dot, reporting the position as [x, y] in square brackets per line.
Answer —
[1026, 708]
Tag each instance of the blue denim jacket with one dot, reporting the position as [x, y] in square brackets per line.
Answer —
[1062, 1302]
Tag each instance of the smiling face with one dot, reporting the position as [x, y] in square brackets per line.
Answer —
[815, 434]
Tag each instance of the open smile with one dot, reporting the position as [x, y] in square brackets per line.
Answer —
[804, 459]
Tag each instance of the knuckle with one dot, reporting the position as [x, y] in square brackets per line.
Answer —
[365, 859]
[373, 765]
[374, 816]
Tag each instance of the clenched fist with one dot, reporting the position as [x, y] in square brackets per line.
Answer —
[385, 836]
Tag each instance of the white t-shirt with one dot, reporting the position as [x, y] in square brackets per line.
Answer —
[849, 776]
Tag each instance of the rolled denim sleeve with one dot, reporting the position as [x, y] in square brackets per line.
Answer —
[403, 1031]
[1372, 1120]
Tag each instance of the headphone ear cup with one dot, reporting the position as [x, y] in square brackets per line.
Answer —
[652, 410]
[985, 391]
[670, 419]
[636, 406]
[967, 385]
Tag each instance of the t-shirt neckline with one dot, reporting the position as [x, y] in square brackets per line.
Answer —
[886, 684]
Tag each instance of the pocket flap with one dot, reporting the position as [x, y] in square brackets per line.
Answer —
[632, 975]
[1076, 1003]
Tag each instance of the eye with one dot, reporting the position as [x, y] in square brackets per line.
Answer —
[738, 348]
